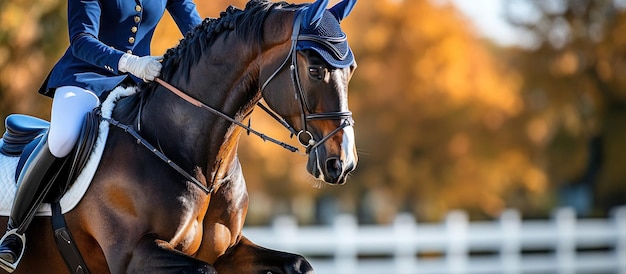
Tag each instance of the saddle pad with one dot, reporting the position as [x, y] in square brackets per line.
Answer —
[75, 193]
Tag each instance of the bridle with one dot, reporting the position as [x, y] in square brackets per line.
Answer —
[304, 136]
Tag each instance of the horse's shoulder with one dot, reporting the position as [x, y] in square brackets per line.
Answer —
[127, 108]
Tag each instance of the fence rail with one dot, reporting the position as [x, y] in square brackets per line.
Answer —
[509, 245]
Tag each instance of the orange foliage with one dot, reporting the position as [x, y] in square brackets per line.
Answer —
[442, 120]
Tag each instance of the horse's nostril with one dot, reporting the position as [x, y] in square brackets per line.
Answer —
[334, 167]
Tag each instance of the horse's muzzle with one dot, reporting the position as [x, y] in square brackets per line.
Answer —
[333, 167]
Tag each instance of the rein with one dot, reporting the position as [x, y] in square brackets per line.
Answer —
[140, 140]
[305, 137]
[199, 104]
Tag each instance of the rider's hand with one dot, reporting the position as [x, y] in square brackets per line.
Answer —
[146, 67]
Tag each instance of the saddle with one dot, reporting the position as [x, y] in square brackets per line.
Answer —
[22, 135]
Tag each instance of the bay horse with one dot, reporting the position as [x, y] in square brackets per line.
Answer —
[139, 215]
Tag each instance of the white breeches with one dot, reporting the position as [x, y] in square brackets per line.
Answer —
[69, 107]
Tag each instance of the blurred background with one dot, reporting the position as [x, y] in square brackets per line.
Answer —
[472, 105]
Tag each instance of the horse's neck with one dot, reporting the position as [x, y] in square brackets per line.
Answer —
[226, 78]
[195, 137]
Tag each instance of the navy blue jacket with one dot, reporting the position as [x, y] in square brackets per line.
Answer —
[101, 31]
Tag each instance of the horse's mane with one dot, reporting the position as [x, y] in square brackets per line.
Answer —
[246, 23]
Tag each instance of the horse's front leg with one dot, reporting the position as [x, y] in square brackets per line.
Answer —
[157, 256]
[247, 257]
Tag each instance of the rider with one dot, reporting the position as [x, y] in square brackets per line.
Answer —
[109, 45]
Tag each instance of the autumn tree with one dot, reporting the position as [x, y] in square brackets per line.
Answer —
[575, 86]
[30, 41]
[437, 122]
[444, 120]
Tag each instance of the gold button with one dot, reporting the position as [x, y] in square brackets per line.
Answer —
[133, 29]
[138, 8]
[131, 40]
[137, 19]
[129, 51]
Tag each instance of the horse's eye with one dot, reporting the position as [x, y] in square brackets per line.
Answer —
[316, 72]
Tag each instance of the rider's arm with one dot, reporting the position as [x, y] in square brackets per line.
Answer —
[185, 14]
[84, 25]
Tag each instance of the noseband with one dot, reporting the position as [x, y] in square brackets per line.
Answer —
[305, 137]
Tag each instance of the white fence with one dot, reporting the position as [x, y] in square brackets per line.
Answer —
[563, 244]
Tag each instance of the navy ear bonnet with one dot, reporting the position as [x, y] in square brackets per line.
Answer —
[327, 40]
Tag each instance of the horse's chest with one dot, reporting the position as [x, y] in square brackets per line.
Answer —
[224, 219]
[207, 236]
[188, 234]
[191, 238]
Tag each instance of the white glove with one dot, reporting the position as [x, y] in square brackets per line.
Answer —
[146, 67]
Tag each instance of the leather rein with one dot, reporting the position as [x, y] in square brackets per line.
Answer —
[305, 137]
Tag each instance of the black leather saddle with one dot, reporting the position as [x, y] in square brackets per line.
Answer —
[22, 135]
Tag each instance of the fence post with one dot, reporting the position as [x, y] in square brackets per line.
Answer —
[404, 233]
[456, 255]
[619, 219]
[346, 228]
[563, 233]
[285, 227]
[566, 246]
[510, 225]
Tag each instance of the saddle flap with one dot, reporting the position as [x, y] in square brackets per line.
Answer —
[78, 157]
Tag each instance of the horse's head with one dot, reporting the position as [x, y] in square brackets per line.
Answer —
[308, 87]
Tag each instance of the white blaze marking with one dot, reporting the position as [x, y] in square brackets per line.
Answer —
[348, 144]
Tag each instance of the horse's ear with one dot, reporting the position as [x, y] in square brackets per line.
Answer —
[313, 13]
[342, 9]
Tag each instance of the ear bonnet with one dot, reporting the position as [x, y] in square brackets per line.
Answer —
[320, 31]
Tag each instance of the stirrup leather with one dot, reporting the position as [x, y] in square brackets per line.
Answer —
[10, 267]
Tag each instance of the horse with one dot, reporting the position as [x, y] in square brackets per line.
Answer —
[140, 215]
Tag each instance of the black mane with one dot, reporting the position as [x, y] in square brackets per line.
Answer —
[246, 23]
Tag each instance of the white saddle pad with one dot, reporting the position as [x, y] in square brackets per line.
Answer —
[78, 189]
